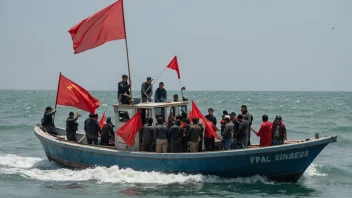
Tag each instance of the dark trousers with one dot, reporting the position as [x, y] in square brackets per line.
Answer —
[71, 137]
[200, 147]
[185, 141]
[104, 142]
[91, 141]
[209, 144]
[176, 146]
[148, 147]
[249, 138]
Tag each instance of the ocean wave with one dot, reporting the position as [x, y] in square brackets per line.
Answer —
[43, 170]
[342, 129]
[315, 170]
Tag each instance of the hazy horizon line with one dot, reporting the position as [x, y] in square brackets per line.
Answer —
[191, 90]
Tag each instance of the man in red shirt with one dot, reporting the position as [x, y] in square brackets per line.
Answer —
[265, 132]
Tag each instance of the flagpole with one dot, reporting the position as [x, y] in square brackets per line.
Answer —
[156, 79]
[57, 93]
[128, 58]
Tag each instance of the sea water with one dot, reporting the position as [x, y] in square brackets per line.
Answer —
[26, 172]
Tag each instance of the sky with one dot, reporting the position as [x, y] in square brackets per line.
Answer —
[227, 45]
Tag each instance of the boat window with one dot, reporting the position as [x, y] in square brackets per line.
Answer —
[160, 112]
[179, 111]
[124, 115]
[145, 114]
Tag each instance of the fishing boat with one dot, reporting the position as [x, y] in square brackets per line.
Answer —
[284, 163]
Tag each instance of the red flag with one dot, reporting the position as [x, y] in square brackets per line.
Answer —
[105, 25]
[210, 128]
[71, 94]
[174, 65]
[102, 121]
[129, 130]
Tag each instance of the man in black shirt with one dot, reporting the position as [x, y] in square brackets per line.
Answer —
[209, 140]
[93, 130]
[48, 121]
[107, 132]
[175, 134]
[71, 127]
[124, 91]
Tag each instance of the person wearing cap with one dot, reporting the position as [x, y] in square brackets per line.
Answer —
[160, 93]
[147, 90]
[161, 136]
[243, 130]
[247, 116]
[209, 141]
[227, 134]
[71, 127]
[107, 132]
[265, 132]
[93, 130]
[48, 122]
[279, 131]
[123, 91]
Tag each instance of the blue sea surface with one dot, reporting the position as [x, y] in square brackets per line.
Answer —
[26, 172]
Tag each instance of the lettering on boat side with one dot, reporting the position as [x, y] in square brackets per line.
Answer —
[279, 157]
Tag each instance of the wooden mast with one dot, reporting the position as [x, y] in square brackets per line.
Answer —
[57, 93]
[128, 58]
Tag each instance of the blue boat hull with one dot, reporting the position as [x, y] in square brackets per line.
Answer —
[279, 163]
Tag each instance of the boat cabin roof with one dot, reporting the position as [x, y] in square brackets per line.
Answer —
[152, 104]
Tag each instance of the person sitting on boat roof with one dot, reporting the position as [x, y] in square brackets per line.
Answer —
[195, 135]
[107, 132]
[243, 130]
[279, 131]
[161, 136]
[148, 136]
[247, 116]
[175, 98]
[123, 93]
[161, 93]
[175, 134]
[71, 127]
[227, 134]
[48, 121]
[265, 132]
[147, 90]
[93, 130]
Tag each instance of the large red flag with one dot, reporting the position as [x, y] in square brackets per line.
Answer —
[174, 65]
[102, 121]
[129, 130]
[210, 128]
[71, 94]
[105, 25]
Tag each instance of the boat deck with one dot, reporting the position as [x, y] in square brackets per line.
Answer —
[81, 138]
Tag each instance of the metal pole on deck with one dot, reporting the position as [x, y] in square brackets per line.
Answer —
[57, 93]
[128, 58]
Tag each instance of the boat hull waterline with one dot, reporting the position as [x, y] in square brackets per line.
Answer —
[284, 163]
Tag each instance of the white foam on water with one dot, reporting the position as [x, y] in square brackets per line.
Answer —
[312, 170]
[43, 170]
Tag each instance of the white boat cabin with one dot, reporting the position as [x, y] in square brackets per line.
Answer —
[148, 110]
